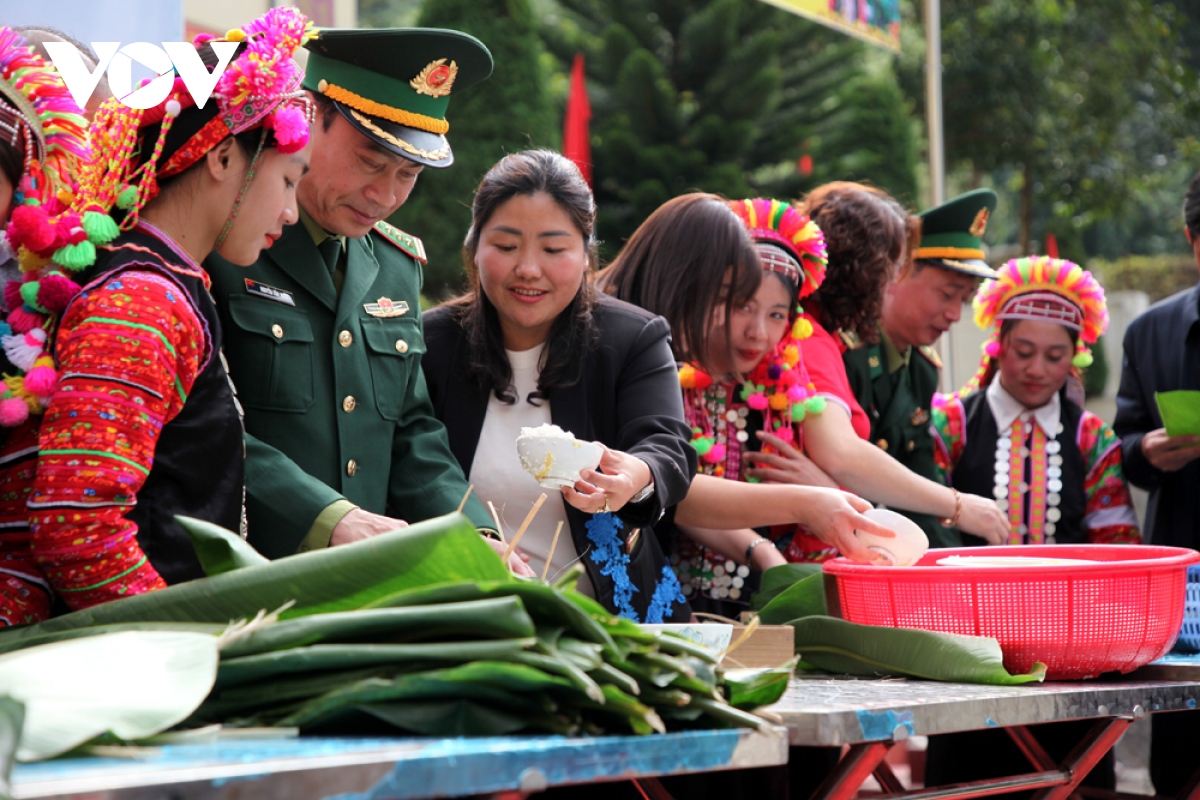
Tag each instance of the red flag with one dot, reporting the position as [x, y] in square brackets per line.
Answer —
[1051, 245]
[576, 144]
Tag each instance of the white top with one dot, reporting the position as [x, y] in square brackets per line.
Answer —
[1006, 409]
[497, 475]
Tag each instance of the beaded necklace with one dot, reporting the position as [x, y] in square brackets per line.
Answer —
[1040, 486]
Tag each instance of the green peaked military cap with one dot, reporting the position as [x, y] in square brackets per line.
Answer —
[952, 233]
[394, 84]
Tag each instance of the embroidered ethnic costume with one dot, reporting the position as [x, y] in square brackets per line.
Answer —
[140, 419]
[1056, 470]
[776, 397]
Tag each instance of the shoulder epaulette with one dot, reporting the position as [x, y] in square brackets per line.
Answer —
[405, 241]
[930, 355]
[851, 340]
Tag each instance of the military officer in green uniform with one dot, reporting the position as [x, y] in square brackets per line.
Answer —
[895, 379]
[323, 334]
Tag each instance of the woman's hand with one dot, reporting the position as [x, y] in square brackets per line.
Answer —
[516, 561]
[787, 465]
[982, 517]
[833, 516]
[621, 476]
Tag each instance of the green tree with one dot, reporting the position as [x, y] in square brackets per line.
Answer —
[1082, 100]
[724, 96]
[511, 111]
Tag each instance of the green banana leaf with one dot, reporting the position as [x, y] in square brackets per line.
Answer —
[779, 578]
[439, 550]
[210, 628]
[493, 618]
[748, 689]
[132, 684]
[438, 718]
[843, 647]
[219, 550]
[805, 598]
[547, 605]
[236, 671]
[12, 714]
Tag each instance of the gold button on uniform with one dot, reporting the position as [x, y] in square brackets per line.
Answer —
[882, 444]
[345, 339]
[401, 346]
[277, 330]
[349, 403]
[351, 467]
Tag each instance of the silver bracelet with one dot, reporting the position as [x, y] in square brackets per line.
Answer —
[750, 547]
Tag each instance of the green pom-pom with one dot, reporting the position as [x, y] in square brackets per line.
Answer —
[703, 445]
[29, 292]
[815, 405]
[753, 480]
[798, 412]
[126, 198]
[76, 256]
[1083, 359]
[100, 228]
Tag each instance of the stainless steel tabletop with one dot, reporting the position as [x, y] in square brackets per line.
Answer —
[1171, 667]
[835, 711]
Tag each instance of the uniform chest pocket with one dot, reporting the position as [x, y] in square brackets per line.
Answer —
[270, 355]
[394, 347]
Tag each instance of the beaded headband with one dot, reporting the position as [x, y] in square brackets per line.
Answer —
[775, 223]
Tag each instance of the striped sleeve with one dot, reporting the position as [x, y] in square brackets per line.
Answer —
[129, 349]
[1109, 516]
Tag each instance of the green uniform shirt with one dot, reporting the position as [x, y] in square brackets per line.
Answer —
[896, 390]
[337, 412]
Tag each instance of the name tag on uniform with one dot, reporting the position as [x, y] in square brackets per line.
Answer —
[384, 307]
[269, 292]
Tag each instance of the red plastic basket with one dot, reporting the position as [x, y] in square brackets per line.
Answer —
[1079, 620]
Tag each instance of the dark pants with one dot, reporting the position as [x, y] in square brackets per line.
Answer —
[978, 755]
[1174, 750]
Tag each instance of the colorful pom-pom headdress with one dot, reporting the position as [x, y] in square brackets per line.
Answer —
[787, 241]
[1041, 289]
[55, 231]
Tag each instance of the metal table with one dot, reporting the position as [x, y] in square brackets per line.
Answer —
[871, 715]
[396, 769]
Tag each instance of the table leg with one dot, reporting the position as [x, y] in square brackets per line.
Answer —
[1025, 741]
[861, 760]
[1190, 790]
[1086, 755]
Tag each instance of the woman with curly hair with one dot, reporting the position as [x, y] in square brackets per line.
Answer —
[866, 234]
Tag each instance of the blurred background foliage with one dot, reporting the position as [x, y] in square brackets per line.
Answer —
[1081, 113]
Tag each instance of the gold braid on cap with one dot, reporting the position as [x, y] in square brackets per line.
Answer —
[390, 113]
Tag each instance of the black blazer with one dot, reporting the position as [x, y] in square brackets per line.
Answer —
[628, 398]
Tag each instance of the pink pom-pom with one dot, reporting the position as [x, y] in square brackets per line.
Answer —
[41, 381]
[21, 321]
[795, 393]
[13, 412]
[992, 348]
[55, 292]
[716, 455]
[758, 401]
[291, 129]
[29, 227]
[12, 295]
[201, 38]
[787, 434]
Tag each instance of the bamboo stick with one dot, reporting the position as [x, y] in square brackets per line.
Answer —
[496, 519]
[550, 555]
[463, 504]
[521, 530]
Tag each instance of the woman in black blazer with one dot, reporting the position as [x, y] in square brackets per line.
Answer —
[531, 334]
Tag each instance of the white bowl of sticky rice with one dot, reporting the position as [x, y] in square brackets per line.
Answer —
[554, 457]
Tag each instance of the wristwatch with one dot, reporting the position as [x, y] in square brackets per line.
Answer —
[643, 493]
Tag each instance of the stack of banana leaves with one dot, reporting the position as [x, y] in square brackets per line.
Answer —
[794, 594]
[420, 631]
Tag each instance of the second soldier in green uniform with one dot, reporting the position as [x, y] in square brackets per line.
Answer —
[895, 379]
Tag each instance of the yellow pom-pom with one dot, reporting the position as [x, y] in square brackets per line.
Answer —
[778, 402]
[235, 35]
[802, 329]
[687, 376]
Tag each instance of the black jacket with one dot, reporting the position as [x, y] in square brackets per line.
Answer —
[1162, 353]
[628, 398]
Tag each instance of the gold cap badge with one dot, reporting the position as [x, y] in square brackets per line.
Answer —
[437, 79]
[979, 226]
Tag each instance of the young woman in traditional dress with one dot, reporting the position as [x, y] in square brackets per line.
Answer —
[140, 422]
